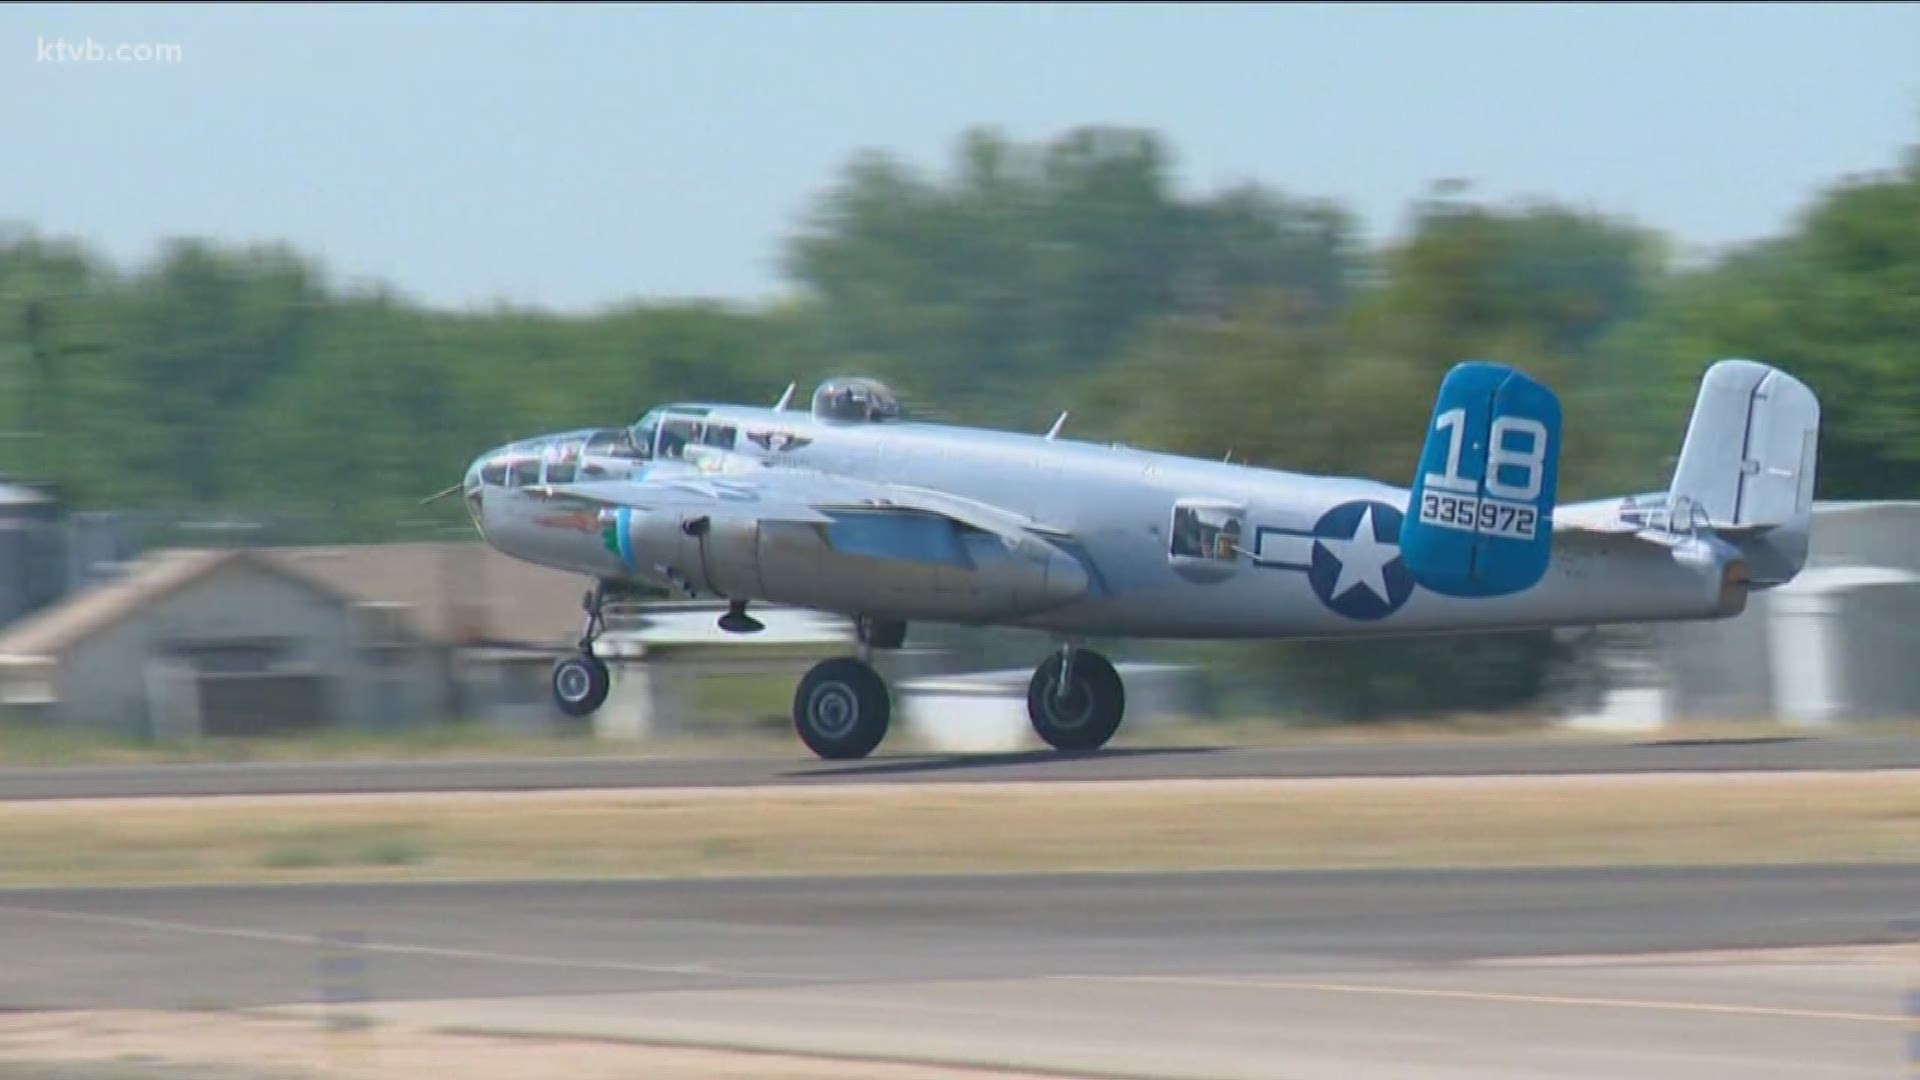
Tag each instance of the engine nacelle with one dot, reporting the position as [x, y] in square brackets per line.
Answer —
[892, 565]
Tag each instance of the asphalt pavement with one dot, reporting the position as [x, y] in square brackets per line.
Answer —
[1377, 760]
[1267, 974]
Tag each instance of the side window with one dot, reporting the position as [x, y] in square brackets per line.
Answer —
[562, 462]
[1206, 531]
[677, 435]
[718, 436]
[526, 472]
[494, 472]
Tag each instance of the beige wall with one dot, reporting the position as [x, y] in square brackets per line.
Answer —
[104, 680]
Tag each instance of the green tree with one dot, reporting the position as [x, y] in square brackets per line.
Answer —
[1837, 301]
[984, 293]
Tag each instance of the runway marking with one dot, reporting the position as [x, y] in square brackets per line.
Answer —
[478, 955]
[1871, 953]
[1492, 996]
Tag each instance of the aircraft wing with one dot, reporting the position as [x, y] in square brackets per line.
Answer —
[807, 497]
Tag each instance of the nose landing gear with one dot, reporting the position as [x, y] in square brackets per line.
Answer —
[581, 681]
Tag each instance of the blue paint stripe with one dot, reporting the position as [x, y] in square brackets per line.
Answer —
[1268, 564]
[623, 532]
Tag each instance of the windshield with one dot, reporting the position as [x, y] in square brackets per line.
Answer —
[644, 433]
[618, 443]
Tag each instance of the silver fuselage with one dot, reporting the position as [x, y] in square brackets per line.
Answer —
[1113, 510]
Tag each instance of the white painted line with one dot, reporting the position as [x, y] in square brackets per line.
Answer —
[313, 941]
[1499, 998]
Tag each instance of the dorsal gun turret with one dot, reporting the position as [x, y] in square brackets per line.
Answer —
[855, 400]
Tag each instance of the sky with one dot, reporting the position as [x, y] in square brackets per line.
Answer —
[572, 157]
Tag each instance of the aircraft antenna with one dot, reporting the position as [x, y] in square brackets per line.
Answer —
[781, 405]
[1055, 429]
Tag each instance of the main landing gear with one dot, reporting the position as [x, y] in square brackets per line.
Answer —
[842, 708]
[581, 681]
[1075, 700]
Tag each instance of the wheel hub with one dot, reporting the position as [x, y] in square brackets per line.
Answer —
[1070, 709]
[575, 683]
[833, 710]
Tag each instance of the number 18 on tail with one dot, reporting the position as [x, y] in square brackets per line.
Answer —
[1481, 519]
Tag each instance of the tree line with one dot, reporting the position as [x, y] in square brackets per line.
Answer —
[1022, 279]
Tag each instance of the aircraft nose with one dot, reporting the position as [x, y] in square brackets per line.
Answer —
[473, 495]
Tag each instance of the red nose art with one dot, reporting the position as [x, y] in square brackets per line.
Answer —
[580, 521]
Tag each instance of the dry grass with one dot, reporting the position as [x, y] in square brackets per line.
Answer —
[130, 1045]
[1520, 821]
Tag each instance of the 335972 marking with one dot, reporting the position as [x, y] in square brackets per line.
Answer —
[1492, 517]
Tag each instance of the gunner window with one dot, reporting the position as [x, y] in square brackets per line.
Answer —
[1205, 532]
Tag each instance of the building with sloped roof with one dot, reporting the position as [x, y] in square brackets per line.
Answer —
[228, 641]
[209, 642]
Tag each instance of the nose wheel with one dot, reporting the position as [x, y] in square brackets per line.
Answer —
[580, 684]
[581, 681]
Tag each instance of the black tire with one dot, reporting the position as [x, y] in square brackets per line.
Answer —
[580, 684]
[842, 709]
[1091, 712]
[883, 633]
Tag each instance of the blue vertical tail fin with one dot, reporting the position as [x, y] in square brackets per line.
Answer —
[1480, 521]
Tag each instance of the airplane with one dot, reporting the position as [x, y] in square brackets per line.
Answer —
[851, 507]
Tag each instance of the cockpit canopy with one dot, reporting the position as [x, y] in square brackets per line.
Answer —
[854, 399]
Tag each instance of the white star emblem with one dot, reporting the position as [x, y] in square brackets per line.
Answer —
[1362, 560]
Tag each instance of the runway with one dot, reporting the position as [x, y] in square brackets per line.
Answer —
[1238, 974]
[1427, 759]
